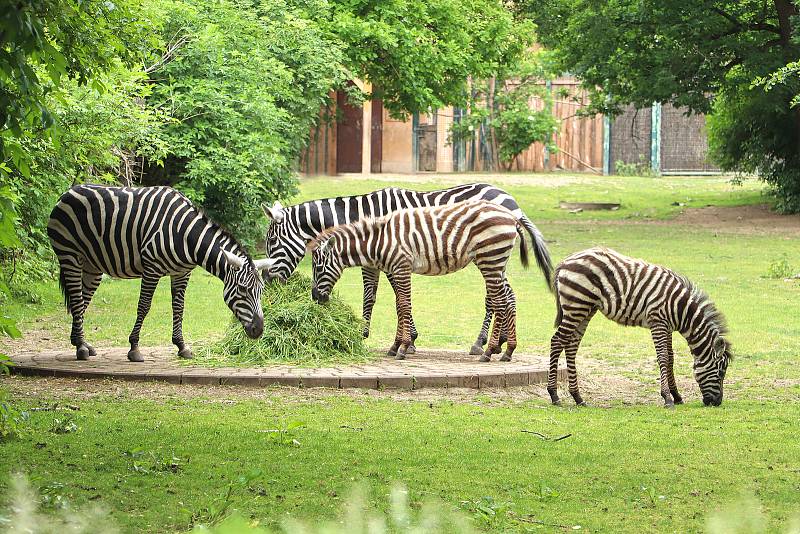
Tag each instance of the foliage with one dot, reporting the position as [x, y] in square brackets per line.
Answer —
[642, 168]
[244, 84]
[512, 113]
[780, 268]
[419, 54]
[296, 330]
[704, 56]
[13, 421]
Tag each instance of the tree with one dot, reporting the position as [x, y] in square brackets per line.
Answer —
[703, 55]
[507, 113]
[419, 54]
[243, 85]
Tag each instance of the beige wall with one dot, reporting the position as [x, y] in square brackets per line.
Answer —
[396, 145]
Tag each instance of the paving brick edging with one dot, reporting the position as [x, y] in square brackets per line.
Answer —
[427, 369]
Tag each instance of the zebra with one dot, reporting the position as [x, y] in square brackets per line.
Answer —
[431, 241]
[293, 228]
[633, 292]
[147, 233]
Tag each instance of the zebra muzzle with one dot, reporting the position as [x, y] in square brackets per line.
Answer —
[255, 328]
[319, 298]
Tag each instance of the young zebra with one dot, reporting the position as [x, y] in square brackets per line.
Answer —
[633, 292]
[430, 241]
[147, 233]
[293, 228]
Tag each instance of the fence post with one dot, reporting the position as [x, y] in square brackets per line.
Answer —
[606, 145]
[655, 138]
[414, 142]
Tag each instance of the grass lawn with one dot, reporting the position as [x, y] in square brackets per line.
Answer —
[625, 468]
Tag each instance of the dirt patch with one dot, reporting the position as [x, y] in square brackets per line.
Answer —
[602, 385]
[755, 219]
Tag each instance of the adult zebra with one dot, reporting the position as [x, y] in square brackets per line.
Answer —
[432, 241]
[294, 227]
[147, 233]
[633, 292]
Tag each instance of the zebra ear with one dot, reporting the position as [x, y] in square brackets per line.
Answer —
[233, 260]
[275, 212]
[327, 246]
[263, 265]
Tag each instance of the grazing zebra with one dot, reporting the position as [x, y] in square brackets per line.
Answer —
[147, 233]
[293, 228]
[633, 292]
[431, 241]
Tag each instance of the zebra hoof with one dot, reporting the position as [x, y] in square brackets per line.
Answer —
[677, 400]
[135, 356]
[365, 333]
[485, 358]
[83, 352]
[476, 350]
[92, 352]
[556, 402]
[391, 352]
[506, 358]
[400, 355]
[185, 353]
[669, 406]
[581, 404]
[411, 349]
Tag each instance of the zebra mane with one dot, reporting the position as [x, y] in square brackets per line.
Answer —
[226, 234]
[366, 222]
[711, 312]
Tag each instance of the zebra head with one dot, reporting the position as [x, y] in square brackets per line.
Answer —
[242, 290]
[284, 244]
[326, 267]
[711, 357]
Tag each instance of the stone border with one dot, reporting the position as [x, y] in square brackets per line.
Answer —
[426, 369]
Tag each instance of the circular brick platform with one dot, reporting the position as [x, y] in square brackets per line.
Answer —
[438, 368]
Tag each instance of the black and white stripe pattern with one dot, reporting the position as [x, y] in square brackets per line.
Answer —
[294, 227]
[147, 233]
[430, 241]
[633, 292]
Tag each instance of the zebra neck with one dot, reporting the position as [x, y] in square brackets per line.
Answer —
[209, 252]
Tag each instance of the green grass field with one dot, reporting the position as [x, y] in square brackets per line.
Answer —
[625, 468]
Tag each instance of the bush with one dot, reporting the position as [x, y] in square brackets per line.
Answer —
[296, 330]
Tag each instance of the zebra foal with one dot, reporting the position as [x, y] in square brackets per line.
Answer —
[429, 241]
[294, 227]
[633, 292]
[147, 233]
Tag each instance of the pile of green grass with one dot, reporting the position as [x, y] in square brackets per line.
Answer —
[297, 330]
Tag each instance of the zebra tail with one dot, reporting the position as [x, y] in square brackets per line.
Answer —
[540, 251]
[559, 311]
[523, 247]
[62, 283]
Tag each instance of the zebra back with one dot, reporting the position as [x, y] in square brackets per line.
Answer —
[293, 228]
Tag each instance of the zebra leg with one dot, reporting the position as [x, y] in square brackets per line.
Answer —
[494, 288]
[673, 387]
[371, 277]
[570, 352]
[412, 349]
[178, 287]
[483, 336]
[149, 283]
[401, 283]
[510, 303]
[89, 283]
[661, 335]
[72, 285]
[563, 338]
[510, 326]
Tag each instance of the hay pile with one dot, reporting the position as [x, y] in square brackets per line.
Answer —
[297, 330]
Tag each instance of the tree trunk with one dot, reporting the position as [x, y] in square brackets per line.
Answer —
[786, 10]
